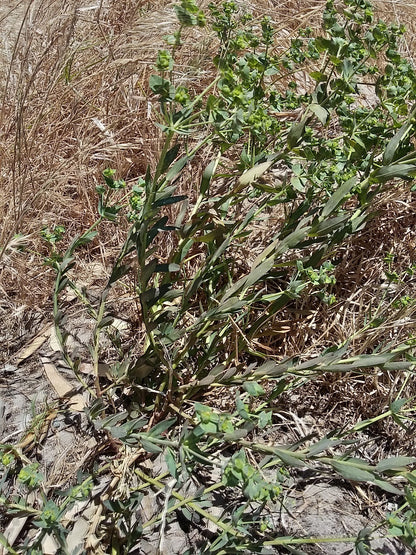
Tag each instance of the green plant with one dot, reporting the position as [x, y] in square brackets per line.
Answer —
[206, 302]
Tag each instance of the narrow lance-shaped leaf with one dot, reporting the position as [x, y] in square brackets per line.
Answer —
[366, 361]
[323, 445]
[254, 173]
[231, 305]
[395, 463]
[171, 463]
[387, 486]
[253, 277]
[329, 225]
[165, 192]
[394, 143]
[292, 240]
[83, 239]
[208, 175]
[177, 168]
[170, 200]
[62, 284]
[105, 322]
[295, 133]
[351, 470]
[290, 458]
[119, 271]
[148, 270]
[161, 427]
[394, 170]
[149, 446]
[170, 157]
[338, 196]
[152, 295]
[271, 368]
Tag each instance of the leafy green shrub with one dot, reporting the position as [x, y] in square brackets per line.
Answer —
[207, 302]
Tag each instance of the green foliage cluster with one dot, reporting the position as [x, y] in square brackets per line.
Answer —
[203, 311]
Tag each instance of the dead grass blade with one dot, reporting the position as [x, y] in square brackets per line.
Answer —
[62, 387]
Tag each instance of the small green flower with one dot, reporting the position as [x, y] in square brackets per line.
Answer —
[29, 476]
[164, 61]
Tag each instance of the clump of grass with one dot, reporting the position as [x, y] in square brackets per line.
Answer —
[284, 179]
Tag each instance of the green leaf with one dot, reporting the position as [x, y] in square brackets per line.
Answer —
[256, 274]
[397, 405]
[410, 476]
[218, 374]
[271, 368]
[387, 486]
[394, 143]
[367, 361]
[170, 157]
[253, 388]
[230, 306]
[252, 489]
[165, 192]
[265, 419]
[149, 446]
[397, 366]
[241, 408]
[161, 427]
[83, 239]
[292, 240]
[112, 420]
[289, 458]
[362, 545]
[236, 434]
[318, 76]
[160, 225]
[394, 170]
[208, 175]
[167, 268]
[184, 16]
[336, 198]
[169, 200]
[177, 167]
[209, 427]
[154, 294]
[62, 284]
[161, 86]
[319, 112]
[395, 463]
[254, 173]
[148, 270]
[171, 463]
[329, 225]
[353, 470]
[105, 322]
[108, 212]
[118, 272]
[322, 445]
[295, 133]
[217, 233]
